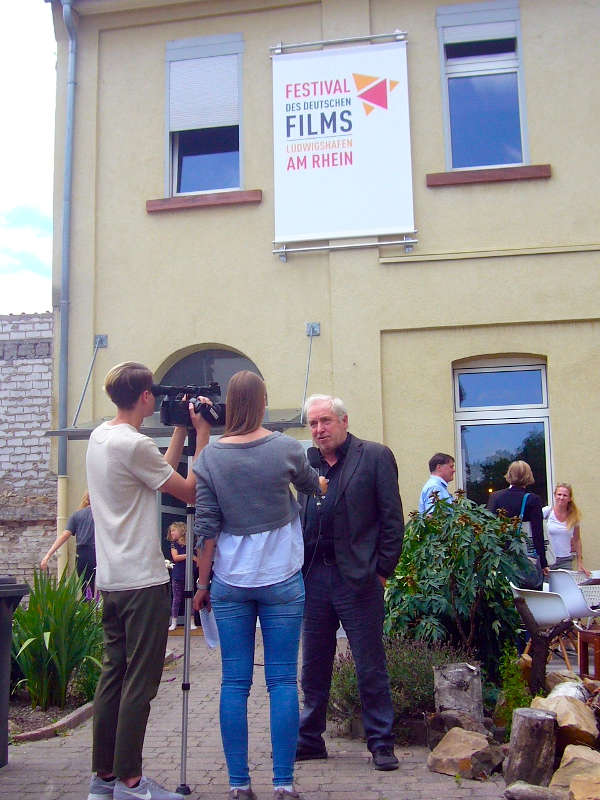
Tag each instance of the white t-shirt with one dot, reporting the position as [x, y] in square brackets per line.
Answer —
[559, 535]
[124, 470]
[260, 559]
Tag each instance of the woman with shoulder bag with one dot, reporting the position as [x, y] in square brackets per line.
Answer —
[516, 501]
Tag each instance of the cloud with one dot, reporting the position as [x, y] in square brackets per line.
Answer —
[24, 292]
[26, 241]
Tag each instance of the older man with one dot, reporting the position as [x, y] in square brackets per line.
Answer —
[353, 539]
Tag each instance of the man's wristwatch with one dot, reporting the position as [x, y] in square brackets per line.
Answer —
[202, 586]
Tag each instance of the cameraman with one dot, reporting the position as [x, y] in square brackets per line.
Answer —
[125, 469]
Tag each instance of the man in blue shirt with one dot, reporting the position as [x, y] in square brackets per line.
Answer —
[441, 467]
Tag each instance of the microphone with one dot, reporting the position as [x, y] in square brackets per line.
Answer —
[314, 459]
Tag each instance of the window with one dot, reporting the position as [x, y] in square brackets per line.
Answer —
[482, 84]
[501, 414]
[203, 85]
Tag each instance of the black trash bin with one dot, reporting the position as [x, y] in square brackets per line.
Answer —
[11, 593]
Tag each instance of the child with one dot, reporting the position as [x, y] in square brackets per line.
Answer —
[176, 535]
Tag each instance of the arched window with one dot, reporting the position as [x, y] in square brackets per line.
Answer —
[501, 415]
[205, 366]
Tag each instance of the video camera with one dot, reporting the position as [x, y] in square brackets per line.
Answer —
[174, 408]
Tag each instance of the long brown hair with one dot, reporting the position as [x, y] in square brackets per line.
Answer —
[573, 513]
[246, 400]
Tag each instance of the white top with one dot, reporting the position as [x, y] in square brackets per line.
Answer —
[260, 559]
[559, 535]
[124, 470]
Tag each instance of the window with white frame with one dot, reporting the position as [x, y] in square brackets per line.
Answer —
[501, 415]
[482, 84]
[203, 110]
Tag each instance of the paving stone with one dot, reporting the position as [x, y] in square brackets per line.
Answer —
[58, 768]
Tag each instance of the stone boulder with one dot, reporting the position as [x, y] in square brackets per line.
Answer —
[438, 725]
[465, 753]
[527, 791]
[576, 721]
[585, 788]
[554, 678]
[577, 761]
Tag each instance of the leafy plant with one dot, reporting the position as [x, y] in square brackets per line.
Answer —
[54, 636]
[514, 690]
[451, 583]
[410, 666]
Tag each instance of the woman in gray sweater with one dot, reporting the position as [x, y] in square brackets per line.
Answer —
[247, 523]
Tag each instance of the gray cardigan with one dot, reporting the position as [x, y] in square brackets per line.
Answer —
[245, 488]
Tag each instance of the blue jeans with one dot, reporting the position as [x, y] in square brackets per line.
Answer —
[279, 608]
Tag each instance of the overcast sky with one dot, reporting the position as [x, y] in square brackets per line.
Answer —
[28, 70]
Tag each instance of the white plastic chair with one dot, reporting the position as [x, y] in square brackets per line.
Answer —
[547, 609]
[563, 583]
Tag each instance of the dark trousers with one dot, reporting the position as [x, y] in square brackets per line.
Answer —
[135, 626]
[330, 600]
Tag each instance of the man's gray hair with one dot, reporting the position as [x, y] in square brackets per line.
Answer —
[337, 405]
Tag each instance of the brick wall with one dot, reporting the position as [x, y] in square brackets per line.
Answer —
[27, 486]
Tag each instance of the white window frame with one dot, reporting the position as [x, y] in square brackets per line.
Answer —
[196, 48]
[470, 22]
[499, 415]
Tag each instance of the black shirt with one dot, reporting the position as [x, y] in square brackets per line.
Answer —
[318, 524]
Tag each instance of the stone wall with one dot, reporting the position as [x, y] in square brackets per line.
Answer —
[27, 486]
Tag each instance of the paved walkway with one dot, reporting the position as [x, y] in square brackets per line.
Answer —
[59, 768]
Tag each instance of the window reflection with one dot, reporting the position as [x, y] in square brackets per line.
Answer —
[488, 449]
[501, 388]
[484, 120]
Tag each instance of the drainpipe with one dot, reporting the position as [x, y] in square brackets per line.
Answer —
[63, 362]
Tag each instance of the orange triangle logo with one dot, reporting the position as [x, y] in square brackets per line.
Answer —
[361, 81]
[393, 85]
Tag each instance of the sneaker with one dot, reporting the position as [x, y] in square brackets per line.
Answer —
[193, 626]
[147, 789]
[173, 624]
[304, 753]
[384, 758]
[242, 794]
[281, 794]
[99, 789]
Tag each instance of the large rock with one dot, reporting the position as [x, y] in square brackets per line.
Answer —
[465, 753]
[438, 725]
[585, 788]
[577, 761]
[527, 791]
[576, 722]
[554, 678]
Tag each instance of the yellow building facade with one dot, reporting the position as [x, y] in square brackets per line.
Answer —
[476, 333]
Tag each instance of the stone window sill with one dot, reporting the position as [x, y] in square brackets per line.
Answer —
[204, 200]
[460, 177]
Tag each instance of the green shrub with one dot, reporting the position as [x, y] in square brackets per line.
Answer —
[514, 690]
[410, 666]
[54, 636]
[451, 583]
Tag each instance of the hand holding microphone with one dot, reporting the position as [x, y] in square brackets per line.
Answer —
[314, 459]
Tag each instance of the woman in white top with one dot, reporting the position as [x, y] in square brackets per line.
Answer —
[563, 528]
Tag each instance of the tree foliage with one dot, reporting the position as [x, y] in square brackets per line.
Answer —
[452, 581]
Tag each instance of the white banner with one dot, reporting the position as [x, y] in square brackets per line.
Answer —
[342, 143]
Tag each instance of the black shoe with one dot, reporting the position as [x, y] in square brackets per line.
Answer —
[384, 758]
[304, 753]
